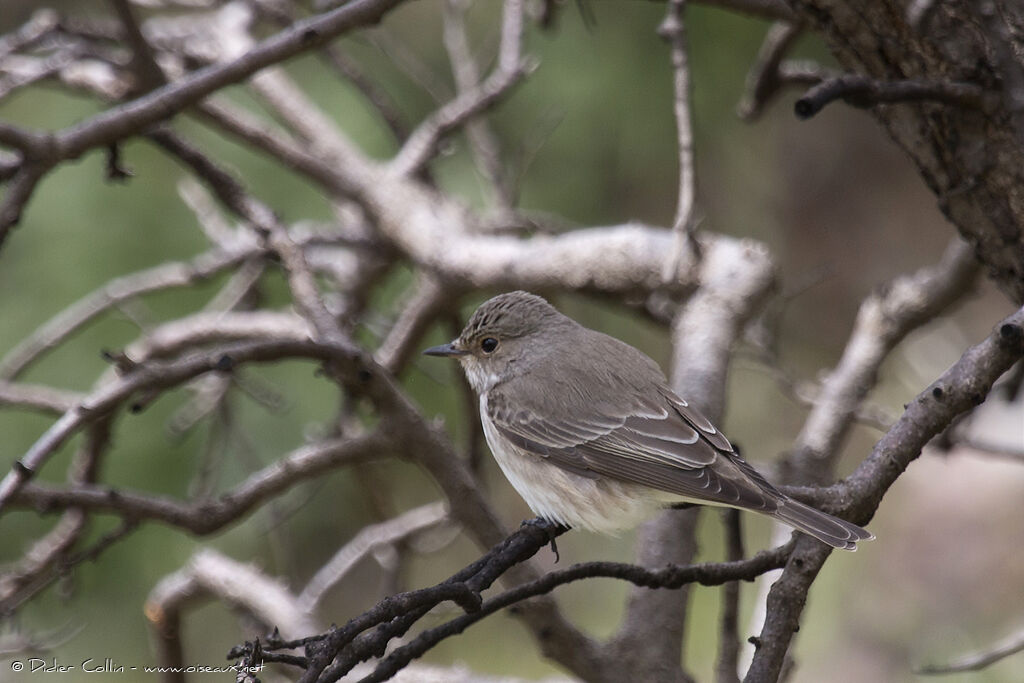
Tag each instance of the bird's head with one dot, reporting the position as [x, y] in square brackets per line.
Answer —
[494, 342]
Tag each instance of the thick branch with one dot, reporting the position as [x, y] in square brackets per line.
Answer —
[733, 279]
[959, 389]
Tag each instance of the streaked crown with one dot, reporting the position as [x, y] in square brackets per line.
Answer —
[509, 316]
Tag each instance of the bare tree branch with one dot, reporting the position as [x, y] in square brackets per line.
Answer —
[733, 279]
[395, 229]
[673, 29]
[483, 141]
[726, 668]
[764, 78]
[865, 92]
[671, 577]
[420, 146]
[205, 516]
[958, 389]
[68, 321]
[37, 397]
[132, 118]
[369, 538]
[884, 319]
[979, 660]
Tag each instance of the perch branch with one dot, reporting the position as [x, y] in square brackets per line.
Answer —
[671, 577]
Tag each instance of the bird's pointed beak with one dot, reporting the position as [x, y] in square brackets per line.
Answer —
[449, 350]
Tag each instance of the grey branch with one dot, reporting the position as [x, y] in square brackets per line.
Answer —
[483, 141]
[884, 319]
[365, 542]
[958, 390]
[673, 29]
[205, 516]
[37, 397]
[862, 91]
[979, 660]
[764, 78]
[510, 69]
[73, 318]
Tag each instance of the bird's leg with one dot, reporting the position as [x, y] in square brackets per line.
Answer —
[552, 529]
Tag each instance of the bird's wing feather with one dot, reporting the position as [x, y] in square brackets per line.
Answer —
[657, 441]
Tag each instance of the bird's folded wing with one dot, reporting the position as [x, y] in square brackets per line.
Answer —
[658, 442]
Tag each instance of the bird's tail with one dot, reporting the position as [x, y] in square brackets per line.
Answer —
[836, 532]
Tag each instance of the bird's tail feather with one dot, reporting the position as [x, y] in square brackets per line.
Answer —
[836, 532]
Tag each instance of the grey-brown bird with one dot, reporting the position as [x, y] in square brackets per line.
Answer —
[587, 430]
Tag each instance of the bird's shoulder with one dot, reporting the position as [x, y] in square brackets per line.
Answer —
[594, 373]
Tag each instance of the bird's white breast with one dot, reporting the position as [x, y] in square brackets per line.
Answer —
[598, 504]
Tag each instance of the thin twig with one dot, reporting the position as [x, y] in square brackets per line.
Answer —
[366, 541]
[149, 379]
[484, 143]
[510, 69]
[728, 632]
[239, 123]
[413, 66]
[428, 298]
[210, 574]
[37, 397]
[763, 78]
[40, 24]
[133, 117]
[19, 191]
[206, 516]
[673, 29]
[399, 612]
[348, 69]
[74, 317]
[230, 191]
[30, 575]
[978, 660]
[148, 73]
[862, 91]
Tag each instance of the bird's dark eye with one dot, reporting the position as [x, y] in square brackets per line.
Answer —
[489, 344]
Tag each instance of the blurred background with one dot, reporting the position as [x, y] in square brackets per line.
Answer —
[840, 207]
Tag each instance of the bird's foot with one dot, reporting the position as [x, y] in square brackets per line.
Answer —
[552, 529]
